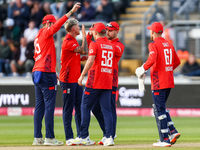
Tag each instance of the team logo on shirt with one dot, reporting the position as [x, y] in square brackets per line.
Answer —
[74, 45]
[91, 51]
[68, 91]
[119, 48]
[152, 52]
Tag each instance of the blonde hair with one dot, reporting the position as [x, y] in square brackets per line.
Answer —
[70, 23]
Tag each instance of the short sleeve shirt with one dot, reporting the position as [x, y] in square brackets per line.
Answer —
[119, 46]
[100, 74]
[70, 61]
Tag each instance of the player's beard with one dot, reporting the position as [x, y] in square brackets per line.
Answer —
[111, 37]
[151, 37]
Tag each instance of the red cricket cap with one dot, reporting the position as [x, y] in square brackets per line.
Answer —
[156, 27]
[99, 27]
[48, 18]
[112, 26]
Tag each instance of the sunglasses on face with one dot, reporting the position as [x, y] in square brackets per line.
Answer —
[110, 25]
[93, 25]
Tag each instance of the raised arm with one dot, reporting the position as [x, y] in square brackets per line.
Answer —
[74, 9]
[84, 48]
[58, 24]
[89, 37]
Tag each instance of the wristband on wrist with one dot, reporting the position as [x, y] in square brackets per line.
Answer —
[71, 12]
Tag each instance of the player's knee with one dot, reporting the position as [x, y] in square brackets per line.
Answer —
[162, 116]
[161, 111]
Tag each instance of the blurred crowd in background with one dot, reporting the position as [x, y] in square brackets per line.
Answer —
[20, 21]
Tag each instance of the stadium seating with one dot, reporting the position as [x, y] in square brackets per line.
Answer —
[135, 12]
[131, 65]
[132, 32]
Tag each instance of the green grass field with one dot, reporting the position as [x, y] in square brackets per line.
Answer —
[18, 131]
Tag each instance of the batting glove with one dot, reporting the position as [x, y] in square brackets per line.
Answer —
[141, 83]
[139, 71]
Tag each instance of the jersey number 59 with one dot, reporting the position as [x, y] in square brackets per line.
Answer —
[107, 56]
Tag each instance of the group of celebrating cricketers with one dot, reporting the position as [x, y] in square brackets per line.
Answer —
[99, 95]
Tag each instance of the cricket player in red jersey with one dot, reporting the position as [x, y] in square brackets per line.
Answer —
[44, 78]
[162, 61]
[99, 84]
[69, 74]
[112, 30]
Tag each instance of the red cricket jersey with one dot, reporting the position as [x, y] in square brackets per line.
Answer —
[70, 61]
[120, 46]
[45, 52]
[101, 73]
[162, 60]
[117, 57]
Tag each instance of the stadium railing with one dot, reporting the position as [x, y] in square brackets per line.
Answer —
[191, 30]
[144, 25]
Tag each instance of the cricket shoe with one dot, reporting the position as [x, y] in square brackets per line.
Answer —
[102, 141]
[109, 141]
[38, 141]
[81, 141]
[173, 137]
[162, 144]
[52, 142]
[68, 142]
